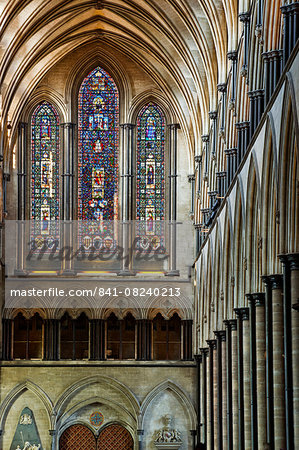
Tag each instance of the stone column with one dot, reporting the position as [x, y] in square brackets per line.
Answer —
[221, 337]
[173, 199]
[67, 194]
[221, 184]
[253, 388]
[187, 339]
[233, 57]
[291, 30]
[215, 395]
[269, 361]
[127, 196]
[272, 70]
[231, 158]
[293, 260]
[229, 405]
[191, 179]
[209, 405]
[205, 151]
[21, 214]
[140, 434]
[235, 405]
[245, 18]
[256, 108]
[204, 396]
[198, 360]
[288, 354]
[275, 282]
[213, 117]
[222, 88]
[244, 380]
[144, 340]
[51, 339]
[7, 339]
[224, 388]
[212, 436]
[97, 340]
[193, 437]
[198, 160]
[259, 299]
[52, 433]
[243, 315]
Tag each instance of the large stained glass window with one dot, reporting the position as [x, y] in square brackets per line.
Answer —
[150, 176]
[45, 173]
[98, 122]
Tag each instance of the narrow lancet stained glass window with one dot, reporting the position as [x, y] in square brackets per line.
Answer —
[98, 121]
[45, 173]
[150, 168]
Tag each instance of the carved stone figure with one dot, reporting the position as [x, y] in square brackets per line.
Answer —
[168, 437]
[26, 419]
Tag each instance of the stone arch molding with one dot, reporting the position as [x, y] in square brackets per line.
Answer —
[75, 388]
[180, 394]
[16, 392]
[65, 419]
[154, 96]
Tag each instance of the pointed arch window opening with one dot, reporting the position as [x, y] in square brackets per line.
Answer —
[98, 144]
[45, 155]
[150, 177]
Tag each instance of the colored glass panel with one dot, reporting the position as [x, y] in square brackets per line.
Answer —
[45, 173]
[98, 128]
[150, 176]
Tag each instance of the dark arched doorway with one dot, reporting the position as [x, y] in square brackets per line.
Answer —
[77, 437]
[115, 437]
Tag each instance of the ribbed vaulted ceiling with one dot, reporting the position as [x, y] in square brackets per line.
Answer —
[181, 44]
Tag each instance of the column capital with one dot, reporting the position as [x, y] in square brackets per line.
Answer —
[205, 138]
[221, 335]
[232, 55]
[67, 124]
[22, 126]
[258, 298]
[286, 9]
[128, 125]
[193, 432]
[242, 313]
[212, 343]
[198, 359]
[140, 432]
[52, 432]
[174, 126]
[227, 324]
[233, 324]
[191, 177]
[242, 125]
[258, 93]
[275, 281]
[221, 174]
[204, 350]
[231, 151]
[244, 16]
[197, 158]
[213, 115]
[222, 87]
[291, 259]
[272, 54]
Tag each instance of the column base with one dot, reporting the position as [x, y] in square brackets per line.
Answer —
[172, 273]
[68, 273]
[126, 273]
[21, 273]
